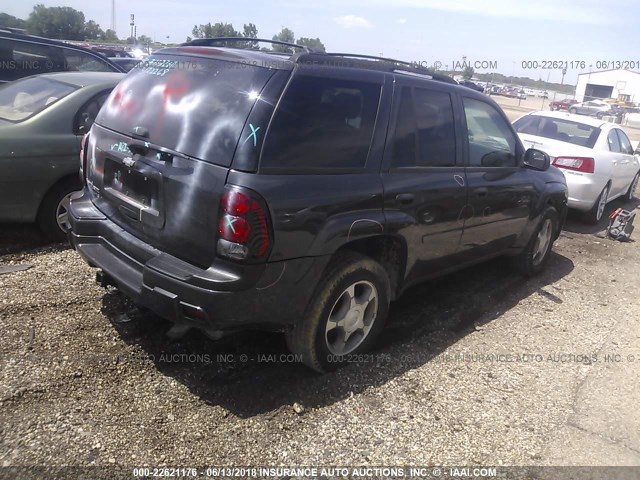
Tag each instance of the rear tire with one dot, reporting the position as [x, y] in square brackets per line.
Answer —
[53, 209]
[345, 315]
[632, 188]
[599, 115]
[594, 215]
[533, 258]
[573, 110]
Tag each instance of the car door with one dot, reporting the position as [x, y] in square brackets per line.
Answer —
[423, 176]
[500, 189]
[629, 161]
[617, 163]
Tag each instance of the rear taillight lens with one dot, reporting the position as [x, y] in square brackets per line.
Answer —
[578, 164]
[243, 226]
[83, 157]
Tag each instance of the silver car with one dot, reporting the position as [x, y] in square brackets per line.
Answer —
[596, 157]
[596, 108]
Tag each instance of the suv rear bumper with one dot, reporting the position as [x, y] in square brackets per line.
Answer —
[223, 297]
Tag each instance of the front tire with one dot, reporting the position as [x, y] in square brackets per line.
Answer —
[573, 110]
[594, 215]
[599, 115]
[632, 188]
[52, 217]
[345, 315]
[533, 258]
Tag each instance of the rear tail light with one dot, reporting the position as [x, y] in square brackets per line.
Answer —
[83, 157]
[243, 226]
[578, 164]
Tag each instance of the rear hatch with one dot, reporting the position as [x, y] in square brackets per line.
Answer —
[161, 147]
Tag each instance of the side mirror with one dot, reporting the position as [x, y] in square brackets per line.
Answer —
[536, 159]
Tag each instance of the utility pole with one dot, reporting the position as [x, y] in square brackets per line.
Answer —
[132, 24]
[113, 15]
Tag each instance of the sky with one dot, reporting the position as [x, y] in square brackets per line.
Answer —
[512, 34]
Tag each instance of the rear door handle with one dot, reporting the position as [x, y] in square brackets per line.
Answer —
[481, 192]
[405, 198]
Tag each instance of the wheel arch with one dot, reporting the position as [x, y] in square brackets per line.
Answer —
[388, 250]
[70, 178]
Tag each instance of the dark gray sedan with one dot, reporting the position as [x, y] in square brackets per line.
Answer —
[42, 121]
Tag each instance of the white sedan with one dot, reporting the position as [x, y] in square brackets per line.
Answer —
[596, 157]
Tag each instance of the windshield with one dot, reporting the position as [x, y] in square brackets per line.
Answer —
[195, 106]
[24, 98]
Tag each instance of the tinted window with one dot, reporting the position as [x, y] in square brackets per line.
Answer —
[21, 59]
[322, 123]
[491, 141]
[76, 60]
[625, 144]
[613, 142]
[196, 106]
[425, 133]
[24, 98]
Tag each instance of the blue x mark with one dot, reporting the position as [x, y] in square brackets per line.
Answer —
[253, 133]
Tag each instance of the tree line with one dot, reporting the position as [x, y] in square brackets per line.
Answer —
[66, 23]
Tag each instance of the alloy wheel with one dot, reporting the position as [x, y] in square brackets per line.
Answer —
[351, 318]
[62, 212]
[542, 241]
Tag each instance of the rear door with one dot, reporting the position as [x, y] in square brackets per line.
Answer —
[629, 161]
[424, 181]
[162, 145]
[617, 159]
[500, 189]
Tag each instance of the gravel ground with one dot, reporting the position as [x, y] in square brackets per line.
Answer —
[86, 379]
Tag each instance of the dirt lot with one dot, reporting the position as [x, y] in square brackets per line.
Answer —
[85, 379]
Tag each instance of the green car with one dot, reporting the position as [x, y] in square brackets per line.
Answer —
[42, 121]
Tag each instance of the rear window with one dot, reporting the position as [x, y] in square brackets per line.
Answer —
[23, 99]
[558, 129]
[195, 106]
[322, 124]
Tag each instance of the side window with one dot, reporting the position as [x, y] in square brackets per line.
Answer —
[613, 142]
[491, 141]
[322, 123]
[26, 58]
[425, 132]
[76, 60]
[625, 143]
[88, 112]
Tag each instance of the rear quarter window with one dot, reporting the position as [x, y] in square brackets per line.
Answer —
[322, 124]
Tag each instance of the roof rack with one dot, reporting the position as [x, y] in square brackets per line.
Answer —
[373, 57]
[213, 40]
[382, 63]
